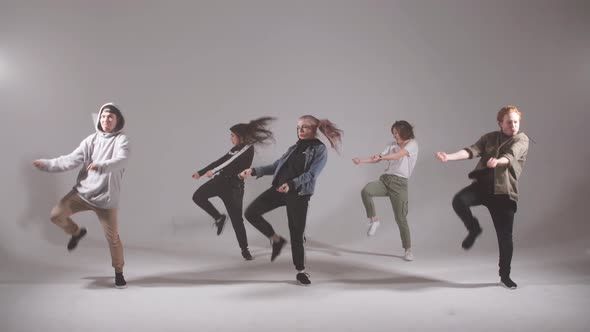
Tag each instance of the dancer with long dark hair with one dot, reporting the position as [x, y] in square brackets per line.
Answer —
[401, 156]
[226, 183]
[294, 179]
[495, 184]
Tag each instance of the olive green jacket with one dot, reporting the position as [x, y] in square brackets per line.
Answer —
[495, 145]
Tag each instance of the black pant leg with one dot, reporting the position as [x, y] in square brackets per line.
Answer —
[462, 203]
[265, 202]
[211, 188]
[297, 216]
[502, 210]
[233, 201]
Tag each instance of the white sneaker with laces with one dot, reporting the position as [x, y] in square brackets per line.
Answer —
[373, 228]
[408, 256]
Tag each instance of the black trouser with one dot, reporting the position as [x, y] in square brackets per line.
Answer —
[231, 192]
[502, 210]
[296, 216]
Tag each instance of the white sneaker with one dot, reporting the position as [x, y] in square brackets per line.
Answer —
[373, 228]
[408, 256]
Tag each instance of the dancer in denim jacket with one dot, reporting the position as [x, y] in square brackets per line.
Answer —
[294, 179]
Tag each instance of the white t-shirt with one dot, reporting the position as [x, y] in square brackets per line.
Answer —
[404, 166]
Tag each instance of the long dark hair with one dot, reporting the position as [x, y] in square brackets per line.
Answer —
[329, 129]
[255, 131]
[404, 128]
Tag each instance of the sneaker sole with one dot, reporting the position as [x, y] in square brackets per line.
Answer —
[121, 287]
[510, 288]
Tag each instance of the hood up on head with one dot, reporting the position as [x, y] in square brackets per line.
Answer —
[114, 109]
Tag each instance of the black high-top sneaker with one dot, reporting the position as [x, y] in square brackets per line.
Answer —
[120, 282]
[73, 243]
[246, 254]
[303, 278]
[220, 223]
[470, 238]
[507, 282]
[277, 247]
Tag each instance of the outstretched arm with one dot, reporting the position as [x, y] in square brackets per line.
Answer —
[459, 155]
[62, 163]
[372, 159]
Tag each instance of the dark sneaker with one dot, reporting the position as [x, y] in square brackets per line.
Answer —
[277, 247]
[470, 239]
[120, 282]
[246, 254]
[508, 283]
[220, 223]
[76, 238]
[303, 278]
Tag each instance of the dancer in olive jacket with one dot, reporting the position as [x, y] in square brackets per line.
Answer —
[495, 184]
[294, 178]
[104, 157]
[226, 184]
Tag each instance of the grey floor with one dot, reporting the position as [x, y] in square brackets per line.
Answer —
[191, 280]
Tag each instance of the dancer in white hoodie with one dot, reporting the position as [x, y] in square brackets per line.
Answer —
[103, 156]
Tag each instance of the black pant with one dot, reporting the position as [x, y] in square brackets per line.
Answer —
[502, 210]
[296, 216]
[231, 192]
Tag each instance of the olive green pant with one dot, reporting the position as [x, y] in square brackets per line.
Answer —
[396, 188]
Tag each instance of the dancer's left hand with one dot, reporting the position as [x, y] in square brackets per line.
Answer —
[492, 163]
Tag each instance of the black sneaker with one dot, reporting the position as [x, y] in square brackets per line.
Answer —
[470, 239]
[246, 254]
[220, 223]
[277, 247]
[508, 283]
[120, 282]
[76, 238]
[303, 278]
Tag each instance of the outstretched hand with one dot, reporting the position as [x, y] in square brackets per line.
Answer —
[196, 175]
[443, 157]
[39, 164]
[245, 173]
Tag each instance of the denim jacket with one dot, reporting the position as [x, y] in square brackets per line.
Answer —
[316, 157]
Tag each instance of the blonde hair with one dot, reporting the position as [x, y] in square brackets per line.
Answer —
[329, 129]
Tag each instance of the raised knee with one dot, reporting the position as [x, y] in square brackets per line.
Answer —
[457, 201]
[365, 192]
[55, 216]
[197, 198]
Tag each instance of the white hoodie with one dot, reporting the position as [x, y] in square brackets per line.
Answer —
[109, 151]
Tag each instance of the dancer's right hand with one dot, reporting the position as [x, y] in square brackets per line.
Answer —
[196, 175]
[356, 160]
[441, 156]
[245, 173]
[39, 164]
